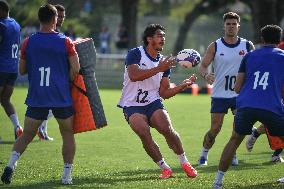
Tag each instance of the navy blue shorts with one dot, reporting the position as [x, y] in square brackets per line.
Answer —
[245, 118]
[8, 78]
[221, 105]
[41, 113]
[147, 110]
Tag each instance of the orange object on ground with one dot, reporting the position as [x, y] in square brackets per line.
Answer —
[194, 89]
[209, 89]
[83, 116]
[274, 141]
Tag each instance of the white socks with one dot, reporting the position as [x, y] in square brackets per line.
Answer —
[67, 170]
[13, 159]
[15, 120]
[162, 164]
[204, 153]
[182, 158]
[43, 126]
[219, 177]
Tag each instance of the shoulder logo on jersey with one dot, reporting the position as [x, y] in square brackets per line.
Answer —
[222, 54]
[242, 52]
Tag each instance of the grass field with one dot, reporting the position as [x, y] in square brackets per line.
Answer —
[113, 157]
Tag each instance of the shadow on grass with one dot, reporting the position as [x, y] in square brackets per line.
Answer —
[96, 181]
[271, 185]
[242, 166]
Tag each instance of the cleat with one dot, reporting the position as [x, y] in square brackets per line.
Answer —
[202, 161]
[277, 159]
[217, 186]
[7, 175]
[18, 132]
[66, 180]
[189, 170]
[250, 141]
[281, 180]
[235, 161]
[166, 173]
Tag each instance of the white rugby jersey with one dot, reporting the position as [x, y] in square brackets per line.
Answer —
[141, 93]
[226, 64]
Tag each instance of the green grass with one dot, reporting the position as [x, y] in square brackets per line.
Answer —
[113, 157]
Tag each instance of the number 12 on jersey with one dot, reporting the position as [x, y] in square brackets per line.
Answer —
[44, 76]
[263, 81]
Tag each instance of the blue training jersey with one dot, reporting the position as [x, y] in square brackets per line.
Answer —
[264, 80]
[9, 45]
[48, 71]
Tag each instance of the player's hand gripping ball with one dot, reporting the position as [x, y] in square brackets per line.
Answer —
[188, 58]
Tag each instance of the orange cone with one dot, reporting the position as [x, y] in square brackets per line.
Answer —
[194, 89]
[209, 89]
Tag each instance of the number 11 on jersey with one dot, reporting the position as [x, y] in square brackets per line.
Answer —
[44, 76]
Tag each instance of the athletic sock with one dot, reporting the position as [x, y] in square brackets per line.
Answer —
[14, 119]
[162, 164]
[204, 153]
[13, 159]
[67, 170]
[255, 133]
[182, 158]
[219, 177]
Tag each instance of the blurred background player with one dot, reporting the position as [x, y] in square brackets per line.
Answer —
[256, 132]
[146, 81]
[259, 83]
[42, 130]
[226, 55]
[9, 60]
[51, 61]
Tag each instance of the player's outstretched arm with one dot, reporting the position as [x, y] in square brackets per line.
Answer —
[206, 61]
[135, 73]
[167, 92]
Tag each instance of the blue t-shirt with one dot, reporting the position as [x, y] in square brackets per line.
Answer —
[48, 71]
[264, 80]
[134, 57]
[9, 45]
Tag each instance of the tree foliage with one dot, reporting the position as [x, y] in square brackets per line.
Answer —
[263, 12]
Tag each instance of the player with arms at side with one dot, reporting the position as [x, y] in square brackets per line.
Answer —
[51, 61]
[9, 60]
[259, 83]
[146, 81]
[42, 130]
[226, 55]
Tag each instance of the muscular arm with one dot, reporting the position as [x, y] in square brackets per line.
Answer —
[74, 66]
[135, 73]
[206, 61]
[239, 82]
[167, 92]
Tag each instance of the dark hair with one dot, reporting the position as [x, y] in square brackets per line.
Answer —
[4, 7]
[150, 31]
[231, 15]
[271, 34]
[46, 13]
[59, 7]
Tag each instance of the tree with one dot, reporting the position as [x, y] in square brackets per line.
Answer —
[129, 9]
[263, 12]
